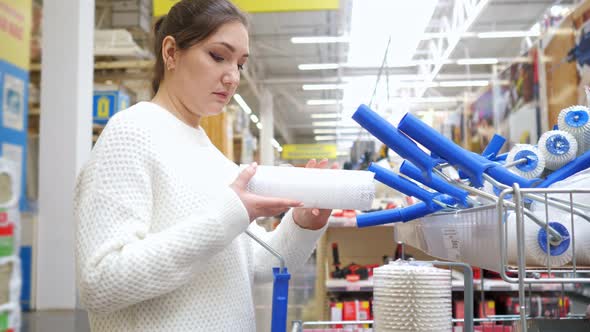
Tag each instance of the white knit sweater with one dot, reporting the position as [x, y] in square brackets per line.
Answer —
[160, 235]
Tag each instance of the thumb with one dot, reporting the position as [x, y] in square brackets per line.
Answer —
[245, 176]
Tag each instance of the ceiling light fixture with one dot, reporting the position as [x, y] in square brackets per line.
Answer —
[324, 123]
[337, 131]
[459, 84]
[254, 118]
[259, 125]
[478, 61]
[242, 104]
[325, 116]
[318, 66]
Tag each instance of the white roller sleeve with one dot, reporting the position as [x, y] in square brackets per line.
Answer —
[316, 188]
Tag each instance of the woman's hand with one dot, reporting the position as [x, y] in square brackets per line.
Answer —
[256, 205]
[311, 218]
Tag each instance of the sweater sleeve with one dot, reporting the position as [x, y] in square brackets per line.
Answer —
[120, 262]
[292, 242]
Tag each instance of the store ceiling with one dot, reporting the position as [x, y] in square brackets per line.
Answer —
[274, 61]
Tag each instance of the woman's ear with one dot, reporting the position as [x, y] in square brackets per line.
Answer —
[169, 52]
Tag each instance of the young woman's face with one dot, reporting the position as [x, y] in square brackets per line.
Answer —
[207, 74]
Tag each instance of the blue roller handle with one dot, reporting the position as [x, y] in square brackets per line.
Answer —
[473, 165]
[401, 214]
[435, 183]
[400, 184]
[501, 157]
[280, 300]
[393, 138]
[493, 147]
[579, 164]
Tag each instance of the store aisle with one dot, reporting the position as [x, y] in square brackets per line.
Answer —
[55, 321]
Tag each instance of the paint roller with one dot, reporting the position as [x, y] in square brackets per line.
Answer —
[394, 139]
[427, 206]
[472, 164]
[436, 183]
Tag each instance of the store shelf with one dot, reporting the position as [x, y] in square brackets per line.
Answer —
[490, 285]
[342, 285]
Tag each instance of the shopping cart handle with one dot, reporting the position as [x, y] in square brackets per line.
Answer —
[393, 138]
[436, 183]
[280, 299]
[402, 185]
[415, 211]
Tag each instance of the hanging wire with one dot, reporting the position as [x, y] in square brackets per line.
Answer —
[380, 72]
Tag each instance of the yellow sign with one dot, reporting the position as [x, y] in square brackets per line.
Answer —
[103, 108]
[15, 32]
[161, 7]
[309, 151]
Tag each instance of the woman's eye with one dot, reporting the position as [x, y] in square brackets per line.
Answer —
[240, 67]
[216, 57]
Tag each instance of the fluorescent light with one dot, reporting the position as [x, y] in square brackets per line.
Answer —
[259, 125]
[325, 116]
[323, 102]
[506, 34]
[325, 138]
[254, 118]
[324, 123]
[318, 66]
[374, 22]
[319, 40]
[419, 100]
[242, 104]
[416, 84]
[311, 87]
[337, 131]
[333, 138]
[457, 84]
[478, 61]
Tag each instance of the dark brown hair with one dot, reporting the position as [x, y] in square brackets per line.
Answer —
[189, 22]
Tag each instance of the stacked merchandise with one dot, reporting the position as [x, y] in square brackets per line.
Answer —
[412, 297]
[10, 279]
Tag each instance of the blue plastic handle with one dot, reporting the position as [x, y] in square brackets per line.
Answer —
[503, 175]
[401, 214]
[467, 161]
[493, 147]
[473, 165]
[501, 157]
[579, 164]
[280, 300]
[400, 184]
[435, 183]
[393, 138]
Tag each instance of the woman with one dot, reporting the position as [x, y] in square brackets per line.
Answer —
[161, 213]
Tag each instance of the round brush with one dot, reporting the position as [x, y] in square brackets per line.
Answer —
[576, 121]
[534, 164]
[558, 148]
